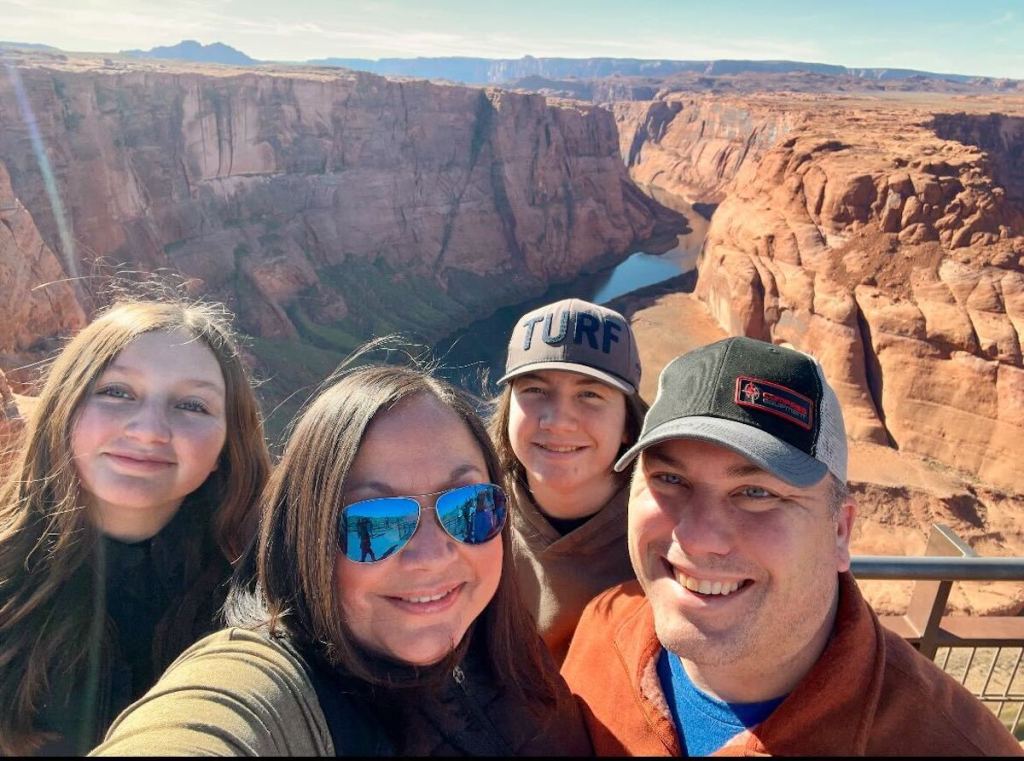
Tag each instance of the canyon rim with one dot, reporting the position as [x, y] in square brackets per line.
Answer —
[882, 231]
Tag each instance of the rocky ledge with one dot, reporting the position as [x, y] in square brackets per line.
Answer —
[323, 206]
[884, 236]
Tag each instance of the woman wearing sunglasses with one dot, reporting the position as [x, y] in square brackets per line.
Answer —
[130, 495]
[375, 615]
[569, 408]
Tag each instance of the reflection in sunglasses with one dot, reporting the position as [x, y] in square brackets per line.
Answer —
[374, 529]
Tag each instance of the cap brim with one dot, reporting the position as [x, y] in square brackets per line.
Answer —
[762, 449]
[572, 367]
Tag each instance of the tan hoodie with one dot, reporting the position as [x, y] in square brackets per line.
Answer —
[558, 575]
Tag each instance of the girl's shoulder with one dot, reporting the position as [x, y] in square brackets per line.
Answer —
[223, 694]
[244, 649]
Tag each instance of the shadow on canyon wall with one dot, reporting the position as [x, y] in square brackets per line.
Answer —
[323, 208]
[999, 135]
[885, 237]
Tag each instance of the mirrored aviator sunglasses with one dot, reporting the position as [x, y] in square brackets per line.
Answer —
[375, 529]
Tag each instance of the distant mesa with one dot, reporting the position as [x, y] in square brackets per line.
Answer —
[486, 71]
[190, 50]
[539, 74]
[476, 71]
[5, 45]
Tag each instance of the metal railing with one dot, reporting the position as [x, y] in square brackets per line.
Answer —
[984, 653]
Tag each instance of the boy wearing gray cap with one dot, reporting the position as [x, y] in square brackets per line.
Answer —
[745, 633]
[569, 409]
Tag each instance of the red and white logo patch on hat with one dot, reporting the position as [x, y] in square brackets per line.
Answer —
[759, 394]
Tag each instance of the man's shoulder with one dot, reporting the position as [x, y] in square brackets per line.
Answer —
[871, 693]
[917, 693]
[615, 604]
[610, 667]
[604, 619]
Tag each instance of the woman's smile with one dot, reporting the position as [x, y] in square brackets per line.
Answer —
[422, 603]
[417, 604]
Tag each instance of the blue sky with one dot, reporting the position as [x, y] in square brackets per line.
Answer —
[973, 37]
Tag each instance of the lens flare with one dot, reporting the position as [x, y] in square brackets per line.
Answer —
[67, 244]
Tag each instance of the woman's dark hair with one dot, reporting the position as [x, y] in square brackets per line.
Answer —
[290, 570]
[52, 620]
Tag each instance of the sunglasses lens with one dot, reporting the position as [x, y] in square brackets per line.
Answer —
[473, 514]
[375, 529]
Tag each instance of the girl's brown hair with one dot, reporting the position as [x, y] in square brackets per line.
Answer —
[51, 576]
[298, 540]
[497, 427]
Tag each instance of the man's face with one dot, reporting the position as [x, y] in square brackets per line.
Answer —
[739, 566]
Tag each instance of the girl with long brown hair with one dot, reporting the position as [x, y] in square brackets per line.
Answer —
[120, 514]
[376, 615]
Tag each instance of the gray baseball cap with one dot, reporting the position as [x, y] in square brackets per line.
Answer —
[579, 337]
[770, 404]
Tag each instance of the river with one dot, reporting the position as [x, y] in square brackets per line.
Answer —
[474, 357]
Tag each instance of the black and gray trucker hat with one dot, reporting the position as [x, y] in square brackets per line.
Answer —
[770, 404]
[577, 336]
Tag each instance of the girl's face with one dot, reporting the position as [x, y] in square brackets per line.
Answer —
[149, 432]
[416, 605]
[566, 429]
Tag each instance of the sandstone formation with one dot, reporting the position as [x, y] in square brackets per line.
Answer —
[890, 522]
[12, 411]
[323, 206]
[885, 238]
[695, 148]
[669, 75]
[899, 495]
[37, 301]
[647, 87]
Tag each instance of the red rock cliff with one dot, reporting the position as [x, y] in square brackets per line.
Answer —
[323, 206]
[694, 147]
[37, 302]
[886, 239]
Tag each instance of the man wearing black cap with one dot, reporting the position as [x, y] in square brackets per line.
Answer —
[745, 632]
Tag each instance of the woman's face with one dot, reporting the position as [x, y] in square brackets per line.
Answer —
[417, 605]
[149, 432]
[566, 429]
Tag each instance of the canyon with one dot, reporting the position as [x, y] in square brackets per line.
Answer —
[323, 207]
[884, 235]
[886, 240]
[880, 229]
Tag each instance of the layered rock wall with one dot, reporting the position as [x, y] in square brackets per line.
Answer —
[887, 242]
[38, 302]
[1001, 136]
[694, 147]
[320, 206]
[11, 422]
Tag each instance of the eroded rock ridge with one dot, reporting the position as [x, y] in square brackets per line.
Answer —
[885, 238]
[323, 207]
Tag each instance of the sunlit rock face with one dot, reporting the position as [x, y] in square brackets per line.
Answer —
[323, 206]
[885, 238]
[695, 146]
[38, 302]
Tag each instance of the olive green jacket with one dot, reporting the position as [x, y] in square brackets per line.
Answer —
[240, 693]
[234, 693]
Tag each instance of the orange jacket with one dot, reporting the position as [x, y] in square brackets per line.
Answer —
[870, 693]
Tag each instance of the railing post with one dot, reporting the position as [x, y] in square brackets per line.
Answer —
[928, 600]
